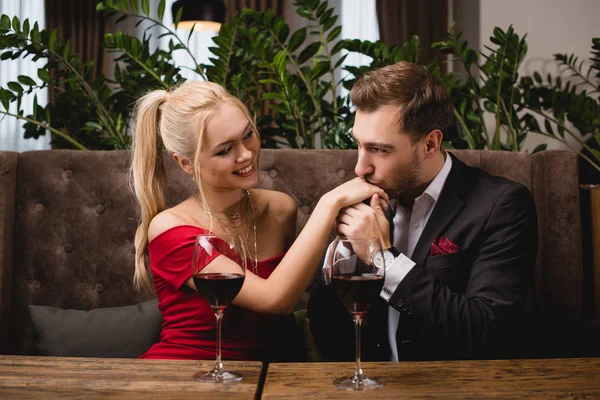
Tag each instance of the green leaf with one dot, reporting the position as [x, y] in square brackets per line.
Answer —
[284, 31]
[25, 80]
[540, 147]
[279, 62]
[52, 40]
[146, 7]
[161, 10]
[489, 106]
[134, 6]
[330, 22]
[471, 116]
[43, 75]
[499, 34]
[548, 127]
[272, 96]
[4, 98]
[303, 12]
[470, 57]
[340, 61]
[26, 27]
[319, 70]
[93, 126]
[5, 21]
[338, 47]
[16, 24]
[191, 32]
[178, 17]
[322, 7]
[268, 82]
[335, 32]
[35, 106]
[15, 87]
[308, 52]
[537, 77]
[297, 39]
[325, 16]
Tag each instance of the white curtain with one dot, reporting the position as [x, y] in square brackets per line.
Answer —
[11, 129]
[359, 21]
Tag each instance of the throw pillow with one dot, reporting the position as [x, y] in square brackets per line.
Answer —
[105, 332]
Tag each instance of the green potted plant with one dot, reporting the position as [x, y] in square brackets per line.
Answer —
[86, 113]
[256, 57]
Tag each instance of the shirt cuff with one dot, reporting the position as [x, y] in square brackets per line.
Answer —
[394, 274]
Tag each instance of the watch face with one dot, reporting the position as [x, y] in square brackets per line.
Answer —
[383, 258]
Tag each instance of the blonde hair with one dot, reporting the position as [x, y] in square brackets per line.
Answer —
[175, 121]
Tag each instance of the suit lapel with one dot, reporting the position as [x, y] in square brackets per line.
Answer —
[448, 205]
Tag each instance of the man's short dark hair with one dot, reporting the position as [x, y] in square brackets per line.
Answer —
[424, 103]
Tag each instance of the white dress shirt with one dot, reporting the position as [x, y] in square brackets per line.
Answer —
[408, 227]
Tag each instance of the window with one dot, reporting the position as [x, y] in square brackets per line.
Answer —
[11, 128]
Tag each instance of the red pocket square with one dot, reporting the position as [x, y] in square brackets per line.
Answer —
[443, 245]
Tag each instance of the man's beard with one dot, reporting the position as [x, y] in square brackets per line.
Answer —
[408, 180]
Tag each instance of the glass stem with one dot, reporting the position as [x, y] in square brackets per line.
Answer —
[358, 373]
[218, 364]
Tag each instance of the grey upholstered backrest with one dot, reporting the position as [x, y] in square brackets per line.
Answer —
[71, 242]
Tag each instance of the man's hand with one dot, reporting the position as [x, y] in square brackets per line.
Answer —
[362, 220]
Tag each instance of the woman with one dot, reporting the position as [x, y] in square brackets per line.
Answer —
[211, 136]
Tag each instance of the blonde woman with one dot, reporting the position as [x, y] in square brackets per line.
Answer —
[211, 136]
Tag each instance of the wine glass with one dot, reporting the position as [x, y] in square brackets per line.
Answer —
[355, 268]
[218, 286]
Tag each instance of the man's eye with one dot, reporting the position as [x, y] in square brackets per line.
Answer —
[224, 152]
[378, 150]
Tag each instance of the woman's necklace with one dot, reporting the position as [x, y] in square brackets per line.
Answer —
[226, 222]
[227, 226]
[255, 263]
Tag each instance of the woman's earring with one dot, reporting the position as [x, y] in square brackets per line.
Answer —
[193, 178]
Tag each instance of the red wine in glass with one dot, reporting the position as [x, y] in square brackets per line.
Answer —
[219, 289]
[357, 292]
[355, 268]
[218, 271]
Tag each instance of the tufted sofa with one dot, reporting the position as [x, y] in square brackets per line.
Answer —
[67, 222]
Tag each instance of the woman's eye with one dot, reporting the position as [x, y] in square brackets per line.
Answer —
[224, 152]
[248, 134]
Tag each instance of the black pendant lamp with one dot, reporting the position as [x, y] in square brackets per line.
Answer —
[206, 14]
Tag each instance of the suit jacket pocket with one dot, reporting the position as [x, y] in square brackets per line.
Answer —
[450, 269]
[446, 260]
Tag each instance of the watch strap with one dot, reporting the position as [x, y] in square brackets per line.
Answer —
[394, 251]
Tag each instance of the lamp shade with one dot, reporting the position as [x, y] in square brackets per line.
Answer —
[206, 14]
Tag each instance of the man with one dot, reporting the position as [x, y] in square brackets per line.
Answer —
[463, 242]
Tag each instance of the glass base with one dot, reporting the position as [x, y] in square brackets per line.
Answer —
[218, 376]
[353, 383]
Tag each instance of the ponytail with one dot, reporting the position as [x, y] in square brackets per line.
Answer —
[149, 178]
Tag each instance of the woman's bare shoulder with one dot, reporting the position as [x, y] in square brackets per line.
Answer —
[166, 220]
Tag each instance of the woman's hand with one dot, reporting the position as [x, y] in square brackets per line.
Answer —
[355, 191]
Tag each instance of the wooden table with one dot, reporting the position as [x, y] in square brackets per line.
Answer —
[53, 377]
[505, 379]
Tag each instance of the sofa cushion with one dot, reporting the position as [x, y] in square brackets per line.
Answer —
[105, 332]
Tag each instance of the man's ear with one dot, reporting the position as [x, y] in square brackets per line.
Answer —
[185, 164]
[433, 142]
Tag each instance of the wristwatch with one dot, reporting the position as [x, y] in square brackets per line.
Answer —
[385, 257]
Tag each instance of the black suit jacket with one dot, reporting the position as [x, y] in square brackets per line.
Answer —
[452, 306]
